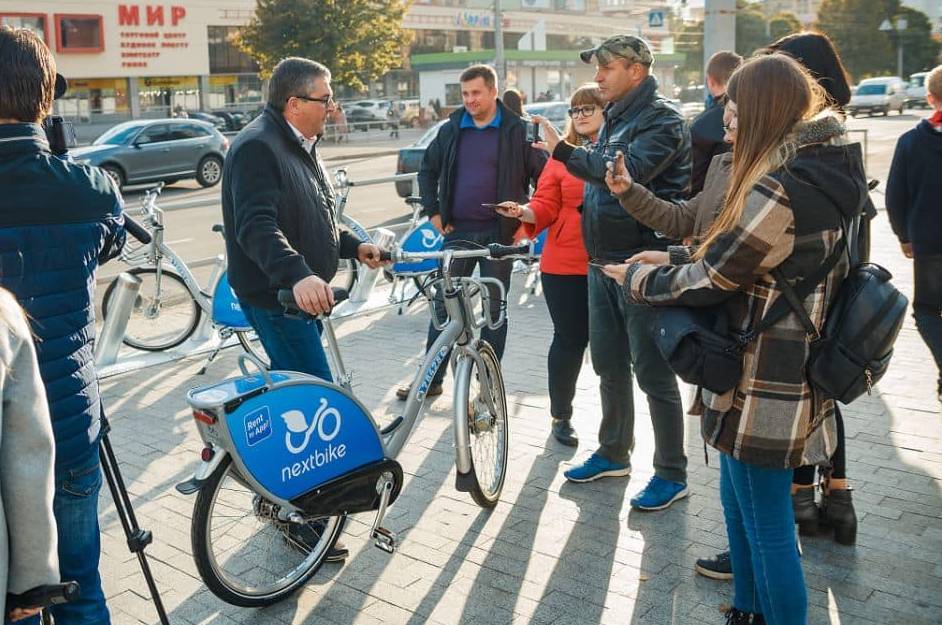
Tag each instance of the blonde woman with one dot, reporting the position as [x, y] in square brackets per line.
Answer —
[783, 211]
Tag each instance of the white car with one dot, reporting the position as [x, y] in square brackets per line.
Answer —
[916, 91]
[878, 95]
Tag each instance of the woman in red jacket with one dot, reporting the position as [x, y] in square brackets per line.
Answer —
[557, 205]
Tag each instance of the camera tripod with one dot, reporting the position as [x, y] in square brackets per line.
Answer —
[138, 538]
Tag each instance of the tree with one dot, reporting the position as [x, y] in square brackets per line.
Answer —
[854, 26]
[359, 40]
[751, 27]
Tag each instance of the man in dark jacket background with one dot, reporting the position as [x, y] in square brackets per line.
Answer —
[278, 211]
[706, 130]
[481, 156]
[58, 222]
[914, 204]
[651, 133]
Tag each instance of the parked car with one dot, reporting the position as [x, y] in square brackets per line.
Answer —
[878, 95]
[556, 112]
[209, 118]
[916, 91]
[155, 150]
[368, 114]
[235, 121]
[410, 158]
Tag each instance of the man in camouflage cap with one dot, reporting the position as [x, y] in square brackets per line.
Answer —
[628, 47]
[651, 133]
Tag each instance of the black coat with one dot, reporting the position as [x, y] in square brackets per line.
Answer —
[519, 167]
[278, 211]
[706, 141]
[651, 133]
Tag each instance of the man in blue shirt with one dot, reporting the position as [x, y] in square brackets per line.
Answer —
[480, 156]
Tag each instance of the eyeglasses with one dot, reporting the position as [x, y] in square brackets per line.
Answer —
[328, 100]
[584, 111]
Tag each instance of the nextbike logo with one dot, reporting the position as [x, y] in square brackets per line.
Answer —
[431, 239]
[430, 372]
[326, 424]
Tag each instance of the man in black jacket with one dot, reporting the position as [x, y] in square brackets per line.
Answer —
[706, 130]
[651, 133]
[481, 156]
[278, 210]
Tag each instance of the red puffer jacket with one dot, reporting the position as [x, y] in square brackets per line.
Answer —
[556, 206]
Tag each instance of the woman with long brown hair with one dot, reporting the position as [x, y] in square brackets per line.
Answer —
[783, 211]
[564, 263]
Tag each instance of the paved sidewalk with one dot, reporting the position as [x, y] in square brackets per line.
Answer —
[551, 552]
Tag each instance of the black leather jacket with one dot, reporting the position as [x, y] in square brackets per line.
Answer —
[651, 132]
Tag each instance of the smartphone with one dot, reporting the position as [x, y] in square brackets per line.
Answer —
[534, 132]
[490, 205]
[598, 262]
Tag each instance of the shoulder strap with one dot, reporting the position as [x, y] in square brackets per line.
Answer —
[792, 297]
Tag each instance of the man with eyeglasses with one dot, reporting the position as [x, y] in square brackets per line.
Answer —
[651, 133]
[278, 212]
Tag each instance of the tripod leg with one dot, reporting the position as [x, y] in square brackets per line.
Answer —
[138, 539]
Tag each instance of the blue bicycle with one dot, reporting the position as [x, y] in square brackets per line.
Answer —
[288, 457]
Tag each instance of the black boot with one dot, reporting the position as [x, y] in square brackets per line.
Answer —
[837, 510]
[738, 617]
[564, 432]
[807, 515]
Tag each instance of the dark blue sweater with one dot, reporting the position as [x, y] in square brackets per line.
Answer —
[476, 180]
[914, 189]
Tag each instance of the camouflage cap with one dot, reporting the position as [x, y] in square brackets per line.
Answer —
[629, 47]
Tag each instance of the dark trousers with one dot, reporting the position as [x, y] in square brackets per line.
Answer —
[927, 304]
[499, 269]
[621, 340]
[567, 298]
[292, 343]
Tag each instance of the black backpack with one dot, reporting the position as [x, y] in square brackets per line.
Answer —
[853, 349]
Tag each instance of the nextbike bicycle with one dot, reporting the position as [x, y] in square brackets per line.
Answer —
[171, 301]
[288, 457]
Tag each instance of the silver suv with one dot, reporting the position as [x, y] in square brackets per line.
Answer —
[156, 150]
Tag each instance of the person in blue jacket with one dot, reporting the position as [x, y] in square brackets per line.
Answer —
[58, 222]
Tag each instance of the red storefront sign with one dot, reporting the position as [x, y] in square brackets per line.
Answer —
[151, 19]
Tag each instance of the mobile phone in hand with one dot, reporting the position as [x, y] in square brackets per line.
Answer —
[598, 262]
[534, 132]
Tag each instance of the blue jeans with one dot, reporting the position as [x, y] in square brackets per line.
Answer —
[621, 341]
[293, 344]
[767, 576]
[76, 510]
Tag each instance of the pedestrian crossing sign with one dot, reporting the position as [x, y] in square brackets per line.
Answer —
[656, 19]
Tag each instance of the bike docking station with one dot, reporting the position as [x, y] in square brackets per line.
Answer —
[106, 351]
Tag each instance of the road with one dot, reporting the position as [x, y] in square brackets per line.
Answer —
[191, 210]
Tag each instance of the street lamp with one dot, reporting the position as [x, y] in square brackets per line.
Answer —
[899, 27]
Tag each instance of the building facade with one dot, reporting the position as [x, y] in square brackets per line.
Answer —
[149, 58]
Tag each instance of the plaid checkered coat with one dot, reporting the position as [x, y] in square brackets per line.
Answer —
[773, 418]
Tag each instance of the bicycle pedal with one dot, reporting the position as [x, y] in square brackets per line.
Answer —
[385, 539]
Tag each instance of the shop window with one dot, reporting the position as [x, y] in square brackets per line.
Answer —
[224, 56]
[35, 22]
[453, 94]
[79, 33]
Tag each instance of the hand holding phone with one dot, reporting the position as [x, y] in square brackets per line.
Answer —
[534, 132]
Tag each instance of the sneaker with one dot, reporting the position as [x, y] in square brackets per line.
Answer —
[738, 617]
[717, 567]
[659, 494]
[596, 467]
[434, 390]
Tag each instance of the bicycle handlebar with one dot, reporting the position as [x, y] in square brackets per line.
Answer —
[44, 596]
[287, 301]
[493, 250]
[136, 230]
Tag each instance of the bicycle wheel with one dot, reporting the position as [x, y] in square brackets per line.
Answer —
[252, 345]
[488, 430]
[162, 317]
[347, 274]
[245, 554]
